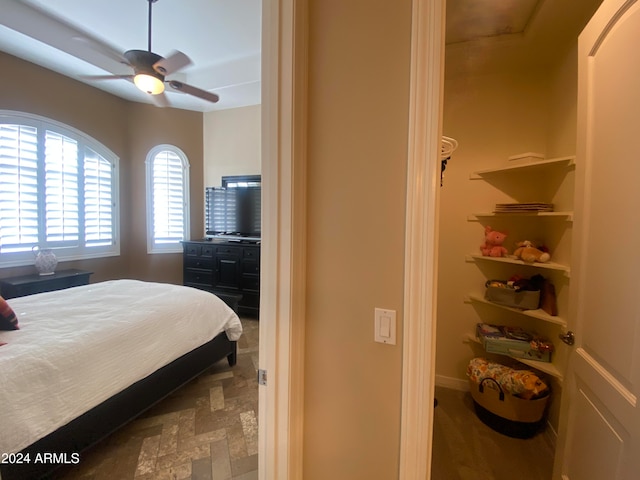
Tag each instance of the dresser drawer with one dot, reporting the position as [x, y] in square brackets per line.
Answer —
[250, 266]
[198, 277]
[199, 262]
[227, 250]
[251, 282]
[198, 250]
[251, 253]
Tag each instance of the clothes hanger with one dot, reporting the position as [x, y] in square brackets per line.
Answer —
[447, 147]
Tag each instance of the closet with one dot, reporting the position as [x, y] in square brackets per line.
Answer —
[507, 96]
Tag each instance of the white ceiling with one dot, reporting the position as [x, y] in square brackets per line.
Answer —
[83, 37]
[223, 38]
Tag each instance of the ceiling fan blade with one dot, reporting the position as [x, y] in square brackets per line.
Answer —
[174, 62]
[100, 48]
[106, 77]
[160, 100]
[196, 92]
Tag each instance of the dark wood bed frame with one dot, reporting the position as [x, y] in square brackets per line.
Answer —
[102, 420]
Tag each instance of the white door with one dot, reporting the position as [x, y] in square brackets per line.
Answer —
[600, 438]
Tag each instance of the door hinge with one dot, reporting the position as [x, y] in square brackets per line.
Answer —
[262, 377]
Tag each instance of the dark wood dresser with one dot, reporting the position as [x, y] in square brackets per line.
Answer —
[229, 269]
[12, 287]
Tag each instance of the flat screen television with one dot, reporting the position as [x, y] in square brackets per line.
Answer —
[234, 212]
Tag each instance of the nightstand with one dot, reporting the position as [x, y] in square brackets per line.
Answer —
[12, 287]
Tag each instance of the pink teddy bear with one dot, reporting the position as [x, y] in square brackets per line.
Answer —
[492, 246]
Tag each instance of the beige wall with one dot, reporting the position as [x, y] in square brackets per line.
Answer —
[129, 129]
[493, 115]
[563, 117]
[231, 143]
[150, 126]
[498, 103]
[357, 149]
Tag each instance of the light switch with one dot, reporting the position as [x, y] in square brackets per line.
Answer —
[385, 326]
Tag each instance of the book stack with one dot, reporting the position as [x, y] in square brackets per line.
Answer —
[523, 207]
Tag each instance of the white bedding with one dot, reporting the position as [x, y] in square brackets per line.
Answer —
[78, 347]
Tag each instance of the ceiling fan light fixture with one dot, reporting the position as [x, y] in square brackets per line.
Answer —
[149, 83]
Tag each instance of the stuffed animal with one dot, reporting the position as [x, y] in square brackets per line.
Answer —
[492, 246]
[528, 253]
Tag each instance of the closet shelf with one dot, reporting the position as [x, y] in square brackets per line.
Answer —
[545, 367]
[567, 216]
[525, 167]
[538, 314]
[515, 261]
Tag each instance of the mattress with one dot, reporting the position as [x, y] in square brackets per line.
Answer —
[77, 347]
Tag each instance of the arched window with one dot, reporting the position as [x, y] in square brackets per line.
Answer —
[167, 199]
[58, 189]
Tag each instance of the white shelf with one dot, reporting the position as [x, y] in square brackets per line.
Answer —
[567, 216]
[545, 367]
[525, 167]
[515, 261]
[538, 314]
[558, 167]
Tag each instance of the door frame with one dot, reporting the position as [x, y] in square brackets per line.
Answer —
[283, 266]
[282, 283]
[421, 237]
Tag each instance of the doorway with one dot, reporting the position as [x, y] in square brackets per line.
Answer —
[503, 96]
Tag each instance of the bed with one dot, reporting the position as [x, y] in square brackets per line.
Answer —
[88, 359]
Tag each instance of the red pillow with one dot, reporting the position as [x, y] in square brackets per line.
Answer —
[8, 319]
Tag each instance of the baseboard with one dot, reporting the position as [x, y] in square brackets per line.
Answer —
[453, 383]
[551, 436]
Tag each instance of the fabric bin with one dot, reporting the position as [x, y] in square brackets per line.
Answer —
[510, 400]
[506, 413]
[499, 292]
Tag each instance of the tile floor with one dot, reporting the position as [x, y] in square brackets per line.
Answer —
[207, 430]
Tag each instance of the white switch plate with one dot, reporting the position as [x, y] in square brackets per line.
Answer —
[385, 326]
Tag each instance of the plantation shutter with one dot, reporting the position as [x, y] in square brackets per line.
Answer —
[168, 198]
[58, 189]
[98, 201]
[61, 190]
[18, 187]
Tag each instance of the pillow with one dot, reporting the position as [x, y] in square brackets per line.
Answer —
[8, 319]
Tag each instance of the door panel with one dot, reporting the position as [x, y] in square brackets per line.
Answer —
[601, 439]
[610, 292]
[594, 422]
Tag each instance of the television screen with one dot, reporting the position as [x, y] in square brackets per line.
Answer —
[233, 211]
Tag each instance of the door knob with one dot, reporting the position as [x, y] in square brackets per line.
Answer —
[569, 338]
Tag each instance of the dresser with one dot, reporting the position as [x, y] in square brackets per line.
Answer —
[229, 269]
[12, 287]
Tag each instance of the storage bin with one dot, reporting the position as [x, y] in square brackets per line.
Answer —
[514, 342]
[499, 292]
[506, 413]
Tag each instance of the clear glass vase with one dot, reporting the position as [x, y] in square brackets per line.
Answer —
[46, 260]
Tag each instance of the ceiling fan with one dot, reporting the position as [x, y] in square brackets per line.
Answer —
[150, 70]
